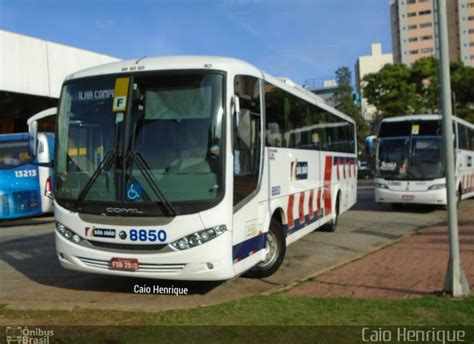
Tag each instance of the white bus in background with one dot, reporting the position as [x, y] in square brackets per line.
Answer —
[189, 168]
[409, 163]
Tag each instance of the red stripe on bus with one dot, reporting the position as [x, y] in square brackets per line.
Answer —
[301, 208]
[344, 163]
[310, 204]
[337, 169]
[327, 185]
[318, 202]
[291, 200]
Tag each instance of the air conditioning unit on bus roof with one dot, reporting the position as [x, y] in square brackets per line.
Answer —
[293, 84]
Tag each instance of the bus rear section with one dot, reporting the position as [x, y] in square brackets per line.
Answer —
[409, 165]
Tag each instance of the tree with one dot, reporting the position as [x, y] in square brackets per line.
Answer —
[344, 102]
[423, 74]
[400, 90]
[391, 91]
[462, 83]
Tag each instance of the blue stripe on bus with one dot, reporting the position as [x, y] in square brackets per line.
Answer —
[248, 247]
[298, 225]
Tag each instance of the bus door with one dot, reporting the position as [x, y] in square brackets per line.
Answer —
[43, 151]
[248, 196]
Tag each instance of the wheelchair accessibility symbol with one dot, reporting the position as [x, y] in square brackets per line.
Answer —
[134, 192]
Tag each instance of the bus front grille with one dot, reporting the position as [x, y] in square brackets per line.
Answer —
[126, 247]
[143, 267]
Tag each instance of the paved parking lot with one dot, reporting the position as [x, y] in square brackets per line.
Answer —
[31, 277]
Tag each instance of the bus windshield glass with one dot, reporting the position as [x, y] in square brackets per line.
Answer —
[166, 148]
[393, 158]
[176, 130]
[410, 151]
[13, 153]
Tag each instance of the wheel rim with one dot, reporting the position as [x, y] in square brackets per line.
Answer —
[271, 250]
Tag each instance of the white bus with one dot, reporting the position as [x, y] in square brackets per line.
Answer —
[409, 167]
[194, 168]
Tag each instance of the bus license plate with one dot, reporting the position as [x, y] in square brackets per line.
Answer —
[408, 197]
[127, 264]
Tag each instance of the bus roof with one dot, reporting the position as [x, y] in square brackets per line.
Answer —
[411, 118]
[426, 117]
[13, 137]
[228, 64]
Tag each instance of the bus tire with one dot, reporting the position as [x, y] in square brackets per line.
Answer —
[396, 206]
[275, 246]
[331, 226]
[458, 197]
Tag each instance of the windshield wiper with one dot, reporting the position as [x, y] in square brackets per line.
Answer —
[104, 165]
[145, 170]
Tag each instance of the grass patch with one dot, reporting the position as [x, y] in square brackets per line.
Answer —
[273, 310]
[285, 320]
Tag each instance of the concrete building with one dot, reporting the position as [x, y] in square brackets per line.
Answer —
[414, 30]
[326, 90]
[365, 65]
[31, 74]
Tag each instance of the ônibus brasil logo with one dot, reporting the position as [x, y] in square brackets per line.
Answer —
[24, 335]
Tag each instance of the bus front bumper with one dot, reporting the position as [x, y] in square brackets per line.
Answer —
[202, 263]
[434, 197]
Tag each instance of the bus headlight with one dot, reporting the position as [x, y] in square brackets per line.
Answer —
[198, 238]
[381, 186]
[437, 187]
[67, 233]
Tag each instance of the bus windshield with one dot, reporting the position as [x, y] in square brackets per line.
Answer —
[425, 158]
[393, 158]
[414, 155]
[166, 148]
[13, 153]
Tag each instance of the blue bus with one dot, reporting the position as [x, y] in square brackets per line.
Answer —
[26, 177]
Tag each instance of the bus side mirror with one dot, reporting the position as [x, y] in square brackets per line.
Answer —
[371, 143]
[235, 105]
[33, 138]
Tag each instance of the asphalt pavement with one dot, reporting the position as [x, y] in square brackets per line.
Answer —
[31, 277]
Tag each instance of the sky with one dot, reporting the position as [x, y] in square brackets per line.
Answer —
[305, 40]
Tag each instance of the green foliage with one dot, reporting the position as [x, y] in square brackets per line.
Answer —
[400, 90]
[345, 103]
[273, 310]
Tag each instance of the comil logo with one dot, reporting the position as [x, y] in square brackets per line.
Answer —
[28, 336]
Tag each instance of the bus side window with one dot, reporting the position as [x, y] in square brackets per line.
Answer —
[247, 150]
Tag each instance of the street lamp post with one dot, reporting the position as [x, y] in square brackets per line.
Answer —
[455, 281]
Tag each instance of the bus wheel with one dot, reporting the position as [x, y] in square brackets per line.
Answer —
[396, 206]
[458, 197]
[275, 249]
[331, 226]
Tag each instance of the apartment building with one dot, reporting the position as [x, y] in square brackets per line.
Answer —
[414, 30]
[365, 65]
